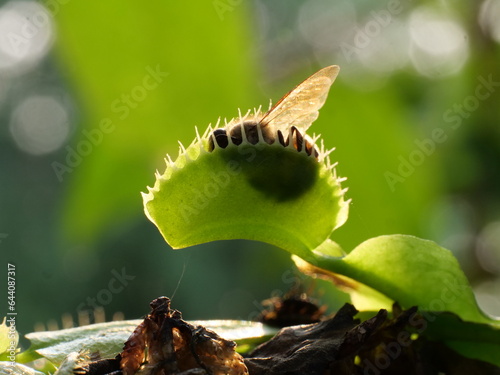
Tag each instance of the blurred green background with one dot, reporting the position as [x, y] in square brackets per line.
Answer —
[94, 94]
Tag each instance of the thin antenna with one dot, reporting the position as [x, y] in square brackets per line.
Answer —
[180, 278]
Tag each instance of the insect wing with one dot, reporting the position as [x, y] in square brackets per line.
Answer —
[300, 107]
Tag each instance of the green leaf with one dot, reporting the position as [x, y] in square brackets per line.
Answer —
[449, 327]
[13, 368]
[484, 351]
[473, 340]
[262, 192]
[105, 338]
[362, 296]
[255, 179]
[412, 272]
[8, 339]
[108, 338]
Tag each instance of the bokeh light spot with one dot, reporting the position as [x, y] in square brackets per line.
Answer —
[487, 297]
[39, 125]
[26, 35]
[489, 16]
[439, 46]
[488, 247]
[325, 24]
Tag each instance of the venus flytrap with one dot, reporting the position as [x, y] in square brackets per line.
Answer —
[260, 177]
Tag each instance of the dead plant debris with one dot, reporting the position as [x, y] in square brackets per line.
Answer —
[164, 344]
[293, 309]
[381, 345]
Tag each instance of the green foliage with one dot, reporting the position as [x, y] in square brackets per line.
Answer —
[105, 338]
[206, 196]
[9, 339]
[8, 368]
[474, 340]
[410, 271]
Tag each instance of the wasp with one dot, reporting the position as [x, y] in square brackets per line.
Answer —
[287, 121]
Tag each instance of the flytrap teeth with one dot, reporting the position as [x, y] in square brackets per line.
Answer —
[198, 138]
[209, 130]
[182, 149]
[247, 130]
[315, 138]
[326, 153]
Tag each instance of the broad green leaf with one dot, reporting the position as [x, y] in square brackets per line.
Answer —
[108, 338]
[262, 192]
[8, 339]
[449, 327]
[412, 272]
[362, 296]
[105, 338]
[485, 351]
[473, 340]
[13, 368]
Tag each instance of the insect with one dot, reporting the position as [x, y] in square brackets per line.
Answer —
[287, 121]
